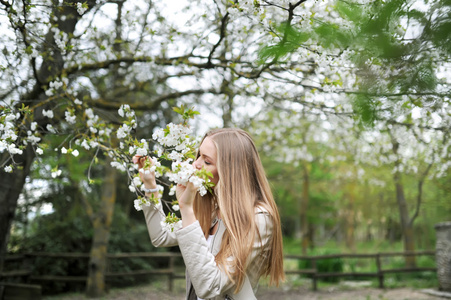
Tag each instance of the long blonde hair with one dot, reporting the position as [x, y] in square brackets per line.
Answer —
[241, 188]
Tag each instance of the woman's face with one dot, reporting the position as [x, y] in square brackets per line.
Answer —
[207, 159]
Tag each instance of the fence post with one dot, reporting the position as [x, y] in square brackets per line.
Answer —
[27, 264]
[380, 275]
[315, 285]
[171, 273]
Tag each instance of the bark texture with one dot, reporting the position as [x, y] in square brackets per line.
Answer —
[443, 255]
[101, 220]
[11, 185]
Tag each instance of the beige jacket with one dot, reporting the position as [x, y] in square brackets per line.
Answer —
[203, 277]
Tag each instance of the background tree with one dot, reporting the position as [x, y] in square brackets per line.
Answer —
[390, 64]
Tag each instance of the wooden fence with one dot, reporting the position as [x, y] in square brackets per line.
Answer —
[379, 273]
[172, 273]
[27, 275]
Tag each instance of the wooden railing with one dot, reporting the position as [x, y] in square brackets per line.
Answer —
[379, 273]
[172, 273]
[28, 276]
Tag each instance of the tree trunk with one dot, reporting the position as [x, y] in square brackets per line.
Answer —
[11, 185]
[297, 219]
[95, 286]
[227, 109]
[350, 219]
[406, 225]
[304, 207]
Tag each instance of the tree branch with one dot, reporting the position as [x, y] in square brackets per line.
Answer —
[420, 193]
[152, 105]
[221, 37]
[84, 200]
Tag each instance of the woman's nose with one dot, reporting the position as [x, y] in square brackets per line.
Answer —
[196, 164]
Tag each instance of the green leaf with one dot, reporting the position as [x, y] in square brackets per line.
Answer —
[364, 106]
[351, 11]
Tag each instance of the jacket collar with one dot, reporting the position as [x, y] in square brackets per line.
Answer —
[215, 244]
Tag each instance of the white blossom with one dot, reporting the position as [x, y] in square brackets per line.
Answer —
[50, 128]
[137, 205]
[131, 150]
[85, 144]
[170, 227]
[172, 190]
[93, 144]
[124, 108]
[90, 113]
[196, 181]
[12, 149]
[141, 151]
[175, 156]
[70, 118]
[56, 173]
[177, 135]
[49, 92]
[48, 113]
[3, 146]
[137, 181]
[118, 165]
[123, 131]
[80, 9]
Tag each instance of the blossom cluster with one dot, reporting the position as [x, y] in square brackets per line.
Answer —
[171, 222]
[81, 8]
[20, 128]
[173, 144]
[184, 172]
[8, 133]
[10, 141]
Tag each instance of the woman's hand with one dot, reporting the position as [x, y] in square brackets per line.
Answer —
[148, 178]
[185, 195]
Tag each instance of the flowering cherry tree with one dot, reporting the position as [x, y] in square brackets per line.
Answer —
[68, 66]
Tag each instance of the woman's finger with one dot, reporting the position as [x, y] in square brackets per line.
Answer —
[139, 160]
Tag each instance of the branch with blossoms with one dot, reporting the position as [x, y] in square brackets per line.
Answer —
[171, 156]
[173, 144]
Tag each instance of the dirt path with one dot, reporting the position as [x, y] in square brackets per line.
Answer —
[357, 294]
[303, 293]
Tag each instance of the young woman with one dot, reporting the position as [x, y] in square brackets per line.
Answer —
[232, 236]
